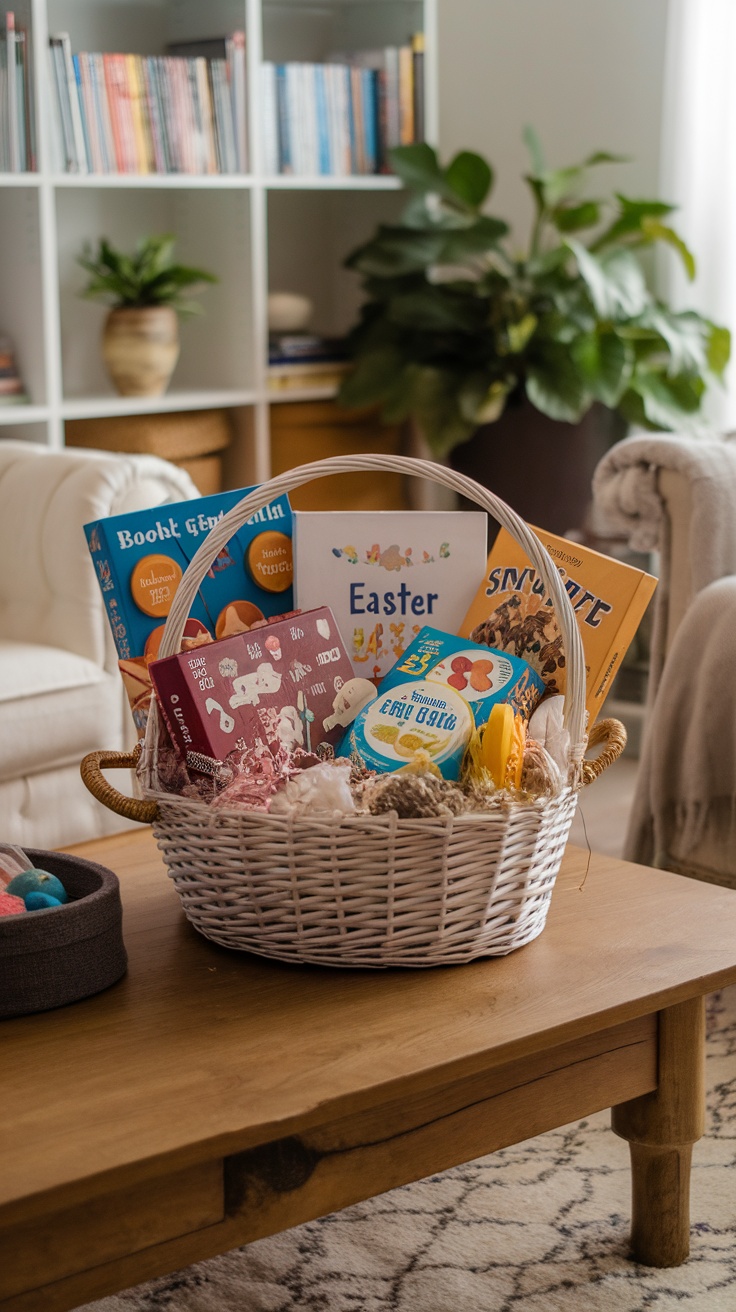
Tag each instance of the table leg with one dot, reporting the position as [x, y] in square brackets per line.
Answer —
[661, 1128]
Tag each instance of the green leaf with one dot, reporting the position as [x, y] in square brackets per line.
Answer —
[669, 403]
[615, 281]
[719, 349]
[571, 218]
[604, 157]
[479, 238]
[372, 378]
[417, 166]
[605, 363]
[555, 387]
[685, 336]
[520, 333]
[437, 310]
[533, 145]
[470, 178]
[653, 230]
[630, 217]
[435, 405]
[395, 251]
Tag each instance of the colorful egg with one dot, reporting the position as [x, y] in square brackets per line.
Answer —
[40, 901]
[37, 881]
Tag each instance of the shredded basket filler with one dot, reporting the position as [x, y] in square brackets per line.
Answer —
[365, 890]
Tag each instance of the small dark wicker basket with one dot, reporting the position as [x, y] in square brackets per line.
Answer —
[49, 958]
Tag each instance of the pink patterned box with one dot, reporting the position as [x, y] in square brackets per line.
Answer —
[280, 684]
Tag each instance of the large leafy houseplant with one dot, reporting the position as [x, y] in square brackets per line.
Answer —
[146, 290]
[456, 326]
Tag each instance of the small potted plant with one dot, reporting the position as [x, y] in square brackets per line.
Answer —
[512, 364]
[140, 342]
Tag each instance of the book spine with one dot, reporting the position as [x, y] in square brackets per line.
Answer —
[417, 49]
[139, 109]
[356, 108]
[65, 109]
[393, 117]
[285, 149]
[199, 151]
[153, 108]
[370, 118]
[308, 102]
[348, 117]
[12, 94]
[225, 116]
[83, 115]
[236, 63]
[20, 66]
[208, 118]
[102, 112]
[294, 119]
[178, 707]
[406, 96]
[269, 118]
[80, 152]
[109, 584]
[91, 117]
[323, 135]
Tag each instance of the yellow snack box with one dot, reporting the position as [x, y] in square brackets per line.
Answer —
[511, 611]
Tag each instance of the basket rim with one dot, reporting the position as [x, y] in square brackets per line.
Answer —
[501, 811]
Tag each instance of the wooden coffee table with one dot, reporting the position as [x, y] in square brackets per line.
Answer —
[211, 1098]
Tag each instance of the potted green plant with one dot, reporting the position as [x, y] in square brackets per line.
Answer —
[140, 342]
[524, 361]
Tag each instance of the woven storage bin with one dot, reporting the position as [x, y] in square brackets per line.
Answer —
[365, 890]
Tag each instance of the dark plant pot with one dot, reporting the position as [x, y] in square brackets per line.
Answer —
[49, 958]
[542, 467]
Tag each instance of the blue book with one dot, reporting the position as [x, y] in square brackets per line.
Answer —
[82, 112]
[323, 135]
[140, 558]
[286, 162]
[369, 79]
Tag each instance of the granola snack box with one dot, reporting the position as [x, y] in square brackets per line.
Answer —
[280, 685]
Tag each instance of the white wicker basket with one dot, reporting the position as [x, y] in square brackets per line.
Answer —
[365, 890]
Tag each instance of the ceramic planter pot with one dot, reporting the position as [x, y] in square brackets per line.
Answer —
[140, 348]
[542, 467]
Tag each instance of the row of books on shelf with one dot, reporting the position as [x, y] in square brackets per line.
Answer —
[305, 362]
[17, 143]
[342, 117]
[183, 112]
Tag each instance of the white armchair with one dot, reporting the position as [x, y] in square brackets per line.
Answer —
[61, 694]
[677, 495]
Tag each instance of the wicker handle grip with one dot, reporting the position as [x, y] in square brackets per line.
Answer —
[293, 478]
[133, 808]
[610, 736]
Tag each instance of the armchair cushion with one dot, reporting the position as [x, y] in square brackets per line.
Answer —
[55, 707]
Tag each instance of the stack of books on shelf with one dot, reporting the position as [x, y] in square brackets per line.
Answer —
[12, 391]
[304, 362]
[342, 117]
[17, 136]
[183, 112]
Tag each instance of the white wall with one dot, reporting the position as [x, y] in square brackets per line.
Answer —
[587, 74]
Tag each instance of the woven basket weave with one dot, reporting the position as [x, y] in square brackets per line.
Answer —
[366, 890]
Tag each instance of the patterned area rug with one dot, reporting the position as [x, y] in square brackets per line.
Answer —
[540, 1227]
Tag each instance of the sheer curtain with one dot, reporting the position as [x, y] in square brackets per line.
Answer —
[699, 169]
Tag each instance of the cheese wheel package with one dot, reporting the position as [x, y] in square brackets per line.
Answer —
[412, 717]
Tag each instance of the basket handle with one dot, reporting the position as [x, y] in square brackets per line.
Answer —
[574, 711]
[133, 808]
[610, 736]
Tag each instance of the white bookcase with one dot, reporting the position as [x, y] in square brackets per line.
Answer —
[257, 233]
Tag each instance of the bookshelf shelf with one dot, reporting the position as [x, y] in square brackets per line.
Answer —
[258, 231]
[20, 180]
[156, 181]
[12, 415]
[100, 407]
